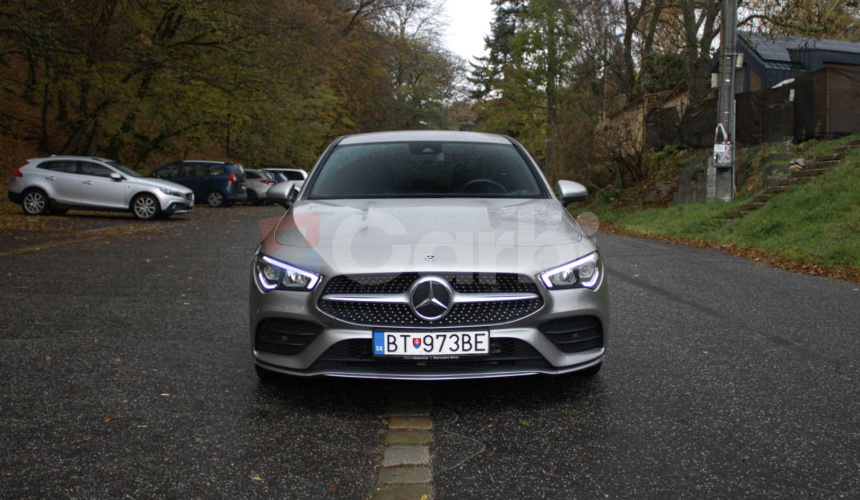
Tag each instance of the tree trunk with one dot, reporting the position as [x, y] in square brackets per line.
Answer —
[31, 82]
[92, 145]
[44, 142]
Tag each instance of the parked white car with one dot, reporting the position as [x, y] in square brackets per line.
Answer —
[60, 183]
[289, 174]
[258, 183]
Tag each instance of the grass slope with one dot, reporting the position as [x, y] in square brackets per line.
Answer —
[817, 223]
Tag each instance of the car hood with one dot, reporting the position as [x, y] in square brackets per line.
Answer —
[424, 235]
[159, 183]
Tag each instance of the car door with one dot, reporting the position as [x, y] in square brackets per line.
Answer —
[99, 190]
[61, 180]
[191, 175]
[168, 172]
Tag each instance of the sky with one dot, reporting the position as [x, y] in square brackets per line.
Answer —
[468, 23]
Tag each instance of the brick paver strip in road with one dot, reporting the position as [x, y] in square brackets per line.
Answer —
[414, 423]
[415, 492]
[405, 475]
[406, 455]
[405, 472]
[408, 410]
[408, 437]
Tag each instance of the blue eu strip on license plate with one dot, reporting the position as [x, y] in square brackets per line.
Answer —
[430, 343]
[378, 343]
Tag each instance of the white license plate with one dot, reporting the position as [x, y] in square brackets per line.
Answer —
[430, 343]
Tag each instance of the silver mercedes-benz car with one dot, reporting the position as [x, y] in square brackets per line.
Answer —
[427, 255]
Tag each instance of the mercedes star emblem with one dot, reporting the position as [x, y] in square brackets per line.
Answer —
[430, 257]
[431, 298]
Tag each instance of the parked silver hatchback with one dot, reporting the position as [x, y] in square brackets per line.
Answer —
[258, 183]
[60, 183]
[427, 255]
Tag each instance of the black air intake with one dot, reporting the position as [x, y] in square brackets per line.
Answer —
[285, 336]
[574, 334]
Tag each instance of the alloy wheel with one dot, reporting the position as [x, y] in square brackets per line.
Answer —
[215, 199]
[35, 203]
[144, 207]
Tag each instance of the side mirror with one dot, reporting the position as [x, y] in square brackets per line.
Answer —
[115, 176]
[283, 194]
[571, 192]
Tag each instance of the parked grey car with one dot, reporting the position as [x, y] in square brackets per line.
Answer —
[60, 183]
[288, 174]
[258, 183]
[427, 255]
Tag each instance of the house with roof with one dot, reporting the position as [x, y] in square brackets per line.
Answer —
[769, 60]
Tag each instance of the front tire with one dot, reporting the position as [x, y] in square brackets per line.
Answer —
[216, 199]
[35, 202]
[252, 199]
[145, 207]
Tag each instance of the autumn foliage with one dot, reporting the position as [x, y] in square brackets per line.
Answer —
[257, 80]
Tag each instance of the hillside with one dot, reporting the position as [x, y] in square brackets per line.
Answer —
[812, 226]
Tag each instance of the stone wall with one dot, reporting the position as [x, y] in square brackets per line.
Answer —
[693, 187]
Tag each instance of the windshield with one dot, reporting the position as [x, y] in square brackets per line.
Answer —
[122, 168]
[425, 169]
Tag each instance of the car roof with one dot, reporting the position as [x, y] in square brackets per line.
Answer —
[70, 157]
[425, 135]
[208, 162]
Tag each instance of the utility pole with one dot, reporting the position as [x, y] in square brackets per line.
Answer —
[726, 104]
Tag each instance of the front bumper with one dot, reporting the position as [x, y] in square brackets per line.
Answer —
[316, 358]
[177, 204]
[452, 374]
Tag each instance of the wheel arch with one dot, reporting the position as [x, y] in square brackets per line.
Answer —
[134, 196]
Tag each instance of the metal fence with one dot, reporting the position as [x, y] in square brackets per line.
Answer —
[824, 102]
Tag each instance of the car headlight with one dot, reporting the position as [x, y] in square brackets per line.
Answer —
[170, 192]
[581, 273]
[272, 274]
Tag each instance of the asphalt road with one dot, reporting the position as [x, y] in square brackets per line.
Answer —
[125, 371]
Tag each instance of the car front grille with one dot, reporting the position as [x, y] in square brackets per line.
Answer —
[478, 302]
[400, 283]
[504, 353]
